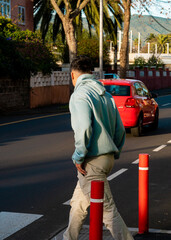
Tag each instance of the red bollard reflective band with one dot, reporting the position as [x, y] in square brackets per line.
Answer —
[96, 210]
[143, 198]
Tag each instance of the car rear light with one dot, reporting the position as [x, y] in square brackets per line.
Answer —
[131, 103]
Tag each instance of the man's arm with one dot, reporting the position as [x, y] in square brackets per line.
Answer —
[81, 124]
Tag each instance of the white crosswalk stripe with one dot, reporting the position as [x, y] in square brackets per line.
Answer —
[11, 222]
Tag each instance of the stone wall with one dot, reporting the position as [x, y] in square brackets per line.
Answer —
[14, 94]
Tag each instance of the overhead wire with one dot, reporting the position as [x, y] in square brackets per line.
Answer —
[169, 30]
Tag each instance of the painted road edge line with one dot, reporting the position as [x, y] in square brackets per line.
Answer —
[169, 141]
[31, 119]
[114, 175]
[159, 148]
[166, 104]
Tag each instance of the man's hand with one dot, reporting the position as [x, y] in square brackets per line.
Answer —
[80, 169]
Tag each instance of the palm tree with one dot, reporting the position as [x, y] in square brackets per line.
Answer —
[67, 18]
[151, 38]
[161, 41]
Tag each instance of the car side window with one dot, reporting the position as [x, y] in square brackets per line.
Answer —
[146, 93]
[138, 89]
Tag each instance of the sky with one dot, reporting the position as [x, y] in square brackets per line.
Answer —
[158, 8]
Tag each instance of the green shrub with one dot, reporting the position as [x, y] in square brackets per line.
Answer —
[23, 52]
[90, 47]
[152, 61]
[139, 62]
[12, 63]
[155, 61]
[39, 55]
[7, 27]
[63, 53]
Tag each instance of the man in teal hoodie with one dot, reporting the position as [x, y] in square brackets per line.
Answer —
[99, 137]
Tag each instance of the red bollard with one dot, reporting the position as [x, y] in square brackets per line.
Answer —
[143, 193]
[96, 210]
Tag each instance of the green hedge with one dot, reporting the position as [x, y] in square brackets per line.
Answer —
[152, 61]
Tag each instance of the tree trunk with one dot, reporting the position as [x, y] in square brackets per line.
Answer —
[72, 44]
[116, 50]
[124, 53]
[70, 37]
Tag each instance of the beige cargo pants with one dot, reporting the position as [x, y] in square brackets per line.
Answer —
[97, 169]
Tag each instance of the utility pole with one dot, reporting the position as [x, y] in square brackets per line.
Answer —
[131, 41]
[101, 40]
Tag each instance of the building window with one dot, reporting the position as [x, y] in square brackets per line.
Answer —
[5, 8]
[21, 14]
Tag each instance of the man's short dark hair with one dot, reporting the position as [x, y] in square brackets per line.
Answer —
[82, 64]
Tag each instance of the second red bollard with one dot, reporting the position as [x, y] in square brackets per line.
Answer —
[143, 193]
[96, 210]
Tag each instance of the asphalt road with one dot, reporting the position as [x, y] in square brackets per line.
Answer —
[37, 175]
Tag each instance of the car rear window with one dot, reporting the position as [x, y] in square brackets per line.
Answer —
[118, 90]
[112, 75]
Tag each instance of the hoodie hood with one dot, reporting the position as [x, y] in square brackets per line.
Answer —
[89, 79]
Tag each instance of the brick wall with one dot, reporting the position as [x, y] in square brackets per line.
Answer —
[28, 5]
[14, 94]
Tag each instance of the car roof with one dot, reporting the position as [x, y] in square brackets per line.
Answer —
[119, 81]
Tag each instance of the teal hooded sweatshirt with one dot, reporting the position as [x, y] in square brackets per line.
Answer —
[95, 120]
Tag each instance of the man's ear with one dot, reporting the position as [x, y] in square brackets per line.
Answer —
[72, 75]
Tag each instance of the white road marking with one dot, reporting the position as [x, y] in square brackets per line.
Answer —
[166, 104]
[169, 141]
[136, 161]
[159, 148]
[114, 175]
[31, 119]
[67, 202]
[11, 222]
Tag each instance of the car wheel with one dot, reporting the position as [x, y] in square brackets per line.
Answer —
[156, 121]
[137, 131]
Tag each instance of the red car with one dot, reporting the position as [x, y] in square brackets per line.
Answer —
[135, 103]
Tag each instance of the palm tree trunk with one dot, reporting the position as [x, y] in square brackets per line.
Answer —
[124, 53]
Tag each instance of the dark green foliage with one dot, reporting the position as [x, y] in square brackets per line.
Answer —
[7, 27]
[140, 62]
[12, 63]
[155, 61]
[90, 47]
[22, 52]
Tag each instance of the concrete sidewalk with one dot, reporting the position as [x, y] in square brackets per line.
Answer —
[153, 234]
